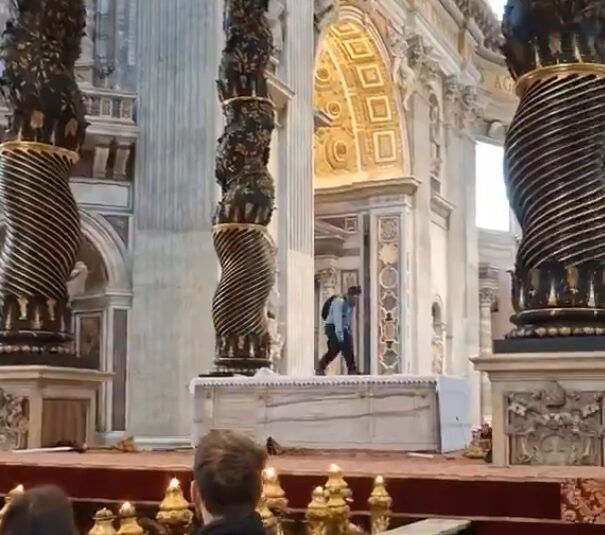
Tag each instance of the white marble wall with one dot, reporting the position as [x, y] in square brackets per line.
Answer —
[174, 271]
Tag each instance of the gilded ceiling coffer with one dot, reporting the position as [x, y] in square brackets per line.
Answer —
[42, 225]
[555, 165]
[244, 247]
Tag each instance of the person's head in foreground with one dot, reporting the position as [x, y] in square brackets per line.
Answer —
[227, 483]
[40, 511]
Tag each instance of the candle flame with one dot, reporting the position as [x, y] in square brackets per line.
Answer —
[174, 484]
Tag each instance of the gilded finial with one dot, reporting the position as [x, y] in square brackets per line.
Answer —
[336, 483]
[275, 496]
[175, 511]
[8, 499]
[268, 518]
[379, 504]
[103, 525]
[128, 521]
[317, 513]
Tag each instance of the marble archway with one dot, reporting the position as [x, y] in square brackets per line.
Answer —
[360, 151]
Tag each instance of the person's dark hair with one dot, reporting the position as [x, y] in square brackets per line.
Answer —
[40, 511]
[354, 290]
[228, 470]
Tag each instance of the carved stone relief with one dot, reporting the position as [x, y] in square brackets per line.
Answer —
[389, 292]
[555, 427]
[14, 421]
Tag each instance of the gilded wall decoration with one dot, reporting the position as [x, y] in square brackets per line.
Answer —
[354, 87]
[553, 426]
[583, 501]
[389, 292]
[14, 421]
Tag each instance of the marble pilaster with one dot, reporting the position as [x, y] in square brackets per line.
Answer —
[390, 332]
[329, 284]
[488, 293]
[421, 169]
[295, 189]
[171, 334]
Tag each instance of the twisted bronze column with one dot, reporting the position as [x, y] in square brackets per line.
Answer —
[242, 242]
[555, 165]
[46, 128]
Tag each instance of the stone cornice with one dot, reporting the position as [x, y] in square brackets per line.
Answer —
[441, 206]
[368, 189]
[279, 91]
[280, 380]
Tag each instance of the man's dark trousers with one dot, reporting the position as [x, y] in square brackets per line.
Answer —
[335, 346]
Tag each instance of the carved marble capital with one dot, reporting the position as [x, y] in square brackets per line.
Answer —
[325, 13]
[328, 278]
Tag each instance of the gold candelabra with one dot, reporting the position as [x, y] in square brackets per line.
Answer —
[103, 525]
[175, 511]
[15, 493]
[338, 494]
[128, 521]
[379, 504]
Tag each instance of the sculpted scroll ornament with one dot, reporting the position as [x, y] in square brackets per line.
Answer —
[555, 427]
[13, 421]
[325, 13]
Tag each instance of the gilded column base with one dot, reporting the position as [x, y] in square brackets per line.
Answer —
[558, 301]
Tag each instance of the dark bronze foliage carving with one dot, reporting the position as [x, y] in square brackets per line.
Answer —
[243, 245]
[46, 129]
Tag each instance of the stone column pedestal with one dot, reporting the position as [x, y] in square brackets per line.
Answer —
[44, 405]
[547, 408]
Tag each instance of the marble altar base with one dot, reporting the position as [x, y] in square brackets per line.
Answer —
[397, 413]
[547, 408]
[43, 405]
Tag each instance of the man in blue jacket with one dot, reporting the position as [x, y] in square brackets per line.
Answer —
[337, 314]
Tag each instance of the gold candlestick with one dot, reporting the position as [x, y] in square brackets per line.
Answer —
[103, 525]
[317, 513]
[175, 511]
[379, 504]
[128, 521]
[8, 499]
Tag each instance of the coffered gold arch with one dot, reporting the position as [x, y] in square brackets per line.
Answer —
[353, 88]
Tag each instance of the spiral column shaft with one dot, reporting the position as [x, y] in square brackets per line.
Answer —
[242, 242]
[46, 129]
[555, 174]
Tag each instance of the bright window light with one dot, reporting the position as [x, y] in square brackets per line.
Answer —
[497, 7]
[493, 211]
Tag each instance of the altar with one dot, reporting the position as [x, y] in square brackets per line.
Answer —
[396, 413]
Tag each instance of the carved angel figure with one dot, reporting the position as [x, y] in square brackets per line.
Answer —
[276, 17]
[402, 73]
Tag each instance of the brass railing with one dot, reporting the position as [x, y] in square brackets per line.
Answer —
[328, 512]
